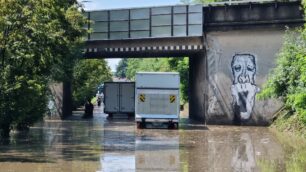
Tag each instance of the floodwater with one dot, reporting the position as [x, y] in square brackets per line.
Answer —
[102, 145]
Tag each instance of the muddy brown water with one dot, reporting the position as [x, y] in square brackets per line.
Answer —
[102, 145]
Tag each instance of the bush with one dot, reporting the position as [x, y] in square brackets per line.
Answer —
[288, 79]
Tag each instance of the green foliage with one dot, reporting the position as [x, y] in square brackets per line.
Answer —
[133, 67]
[121, 68]
[288, 79]
[288, 82]
[37, 38]
[146, 65]
[88, 74]
[180, 65]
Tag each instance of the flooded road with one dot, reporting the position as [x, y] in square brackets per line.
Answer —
[101, 145]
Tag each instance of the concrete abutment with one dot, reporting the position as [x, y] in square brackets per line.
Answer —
[197, 86]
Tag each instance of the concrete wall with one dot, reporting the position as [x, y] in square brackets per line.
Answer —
[56, 107]
[238, 63]
[61, 97]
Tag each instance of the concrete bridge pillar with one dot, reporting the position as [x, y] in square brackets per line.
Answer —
[197, 86]
[67, 99]
[62, 98]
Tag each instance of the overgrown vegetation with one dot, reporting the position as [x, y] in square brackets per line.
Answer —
[88, 74]
[129, 67]
[37, 40]
[288, 81]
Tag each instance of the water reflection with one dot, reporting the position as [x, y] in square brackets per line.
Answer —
[119, 146]
[236, 149]
[100, 145]
[72, 145]
[117, 162]
[157, 150]
[243, 157]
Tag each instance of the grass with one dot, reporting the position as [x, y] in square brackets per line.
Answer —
[294, 149]
[290, 123]
[291, 134]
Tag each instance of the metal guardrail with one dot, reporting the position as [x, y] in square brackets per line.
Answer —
[159, 21]
[152, 22]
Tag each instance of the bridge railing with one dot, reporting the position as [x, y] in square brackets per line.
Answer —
[154, 22]
[166, 21]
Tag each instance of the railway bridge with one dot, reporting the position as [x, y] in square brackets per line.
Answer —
[231, 49]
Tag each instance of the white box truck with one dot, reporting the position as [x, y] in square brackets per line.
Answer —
[119, 98]
[157, 98]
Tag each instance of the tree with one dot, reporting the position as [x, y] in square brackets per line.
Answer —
[132, 68]
[37, 39]
[180, 65]
[121, 68]
[146, 65]
[87, 76]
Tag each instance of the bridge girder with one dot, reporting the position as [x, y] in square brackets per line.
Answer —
[220, 17]
[152, 47]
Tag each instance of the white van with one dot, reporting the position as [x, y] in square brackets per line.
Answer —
[157, 98]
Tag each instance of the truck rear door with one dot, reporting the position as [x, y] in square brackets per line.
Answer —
[111, 97]
[127, 97]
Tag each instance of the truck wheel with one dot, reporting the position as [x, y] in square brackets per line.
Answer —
[139, 125]
[130, 115]
[110, 116]
[171, 125]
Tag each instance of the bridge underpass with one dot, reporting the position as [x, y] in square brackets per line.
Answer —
[229, 46]
[237, 46]
[167, 47]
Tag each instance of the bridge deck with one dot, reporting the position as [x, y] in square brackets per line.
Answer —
[174, 31]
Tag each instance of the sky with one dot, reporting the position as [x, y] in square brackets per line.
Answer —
[115, 4]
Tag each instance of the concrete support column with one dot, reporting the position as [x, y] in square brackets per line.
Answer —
[198, 87]
[67, 99]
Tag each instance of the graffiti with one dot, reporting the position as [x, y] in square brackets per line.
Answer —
[243, 87]
[243, 159]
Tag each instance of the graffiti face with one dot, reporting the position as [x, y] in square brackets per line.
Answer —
[243, 88]
[244, 69]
